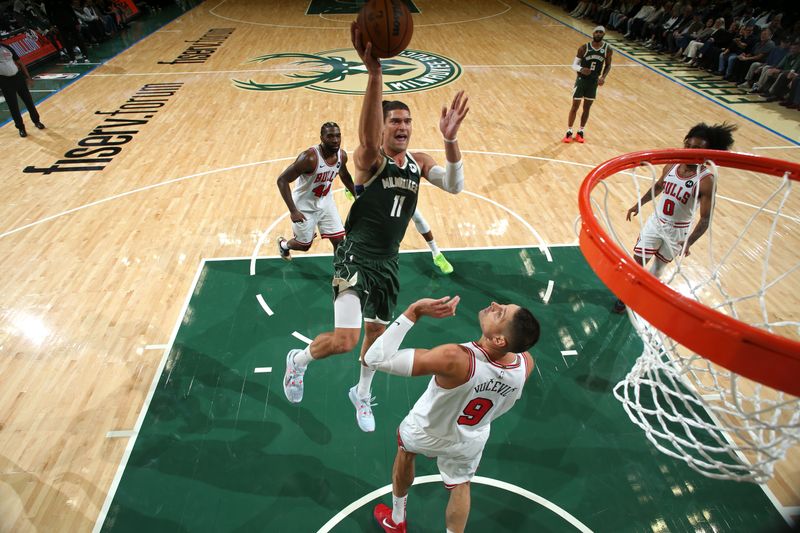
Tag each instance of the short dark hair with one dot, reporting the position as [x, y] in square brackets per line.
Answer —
[327, 125]
[391, 105]
[718, 136]
[523, 331]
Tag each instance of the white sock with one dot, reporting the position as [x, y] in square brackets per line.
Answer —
[285, 245]
[399, 508]
[434, 249]
[580, 130]
[569, 130]
[364, 381]
[303, 358]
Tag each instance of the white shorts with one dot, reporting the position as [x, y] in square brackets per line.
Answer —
[326, 218]
[660, 239]
[457, 461]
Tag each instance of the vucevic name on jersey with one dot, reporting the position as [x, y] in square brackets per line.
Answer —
[466, 411]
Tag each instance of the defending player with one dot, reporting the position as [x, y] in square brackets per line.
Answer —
[310, 204]
[473, 383]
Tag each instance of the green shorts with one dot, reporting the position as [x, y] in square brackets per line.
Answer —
[584, 88]
[374, 280]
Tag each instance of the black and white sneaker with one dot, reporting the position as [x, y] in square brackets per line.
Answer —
[285, 254]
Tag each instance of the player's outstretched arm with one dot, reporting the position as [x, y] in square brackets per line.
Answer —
[370, 122]
[451, 178]
[654, 191]
[450, 122]
[304, 164]
[385, 353]
[449, 363]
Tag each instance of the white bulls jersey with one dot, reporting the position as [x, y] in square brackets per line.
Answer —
[313, 189]
[466, 411]
[677, 203]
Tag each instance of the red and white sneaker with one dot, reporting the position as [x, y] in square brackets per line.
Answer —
[579, 137]
[567, 137]
[383, 515]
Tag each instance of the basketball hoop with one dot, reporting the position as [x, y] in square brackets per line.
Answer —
[718, 390]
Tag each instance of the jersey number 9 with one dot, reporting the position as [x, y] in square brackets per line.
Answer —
[474, 412]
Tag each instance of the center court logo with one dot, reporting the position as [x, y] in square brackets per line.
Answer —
[341, 71]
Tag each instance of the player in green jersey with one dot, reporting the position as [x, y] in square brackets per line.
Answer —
[590, 59]
[365, 282]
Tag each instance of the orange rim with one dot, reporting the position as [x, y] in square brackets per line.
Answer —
[746, 350]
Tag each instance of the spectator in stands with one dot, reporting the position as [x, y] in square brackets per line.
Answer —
[759, 53]
[747, 18]
[776, 27]
[14, 81]
[658, 40]
[63, 17]
[646, 10]
[622, 21]
[759, 69]
[620, 13]
[689, 50]
[680, 37]
[643, 30]
[770, 74]
[740, 45]
[793, 100]
[780, 88]
[91, 25]
[109, 21]
[710, 52]
[604, 12]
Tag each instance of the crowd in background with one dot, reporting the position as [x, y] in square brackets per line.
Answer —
[754, 46]
[72, 26]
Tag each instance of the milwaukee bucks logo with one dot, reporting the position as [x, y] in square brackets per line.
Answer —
[341, 71]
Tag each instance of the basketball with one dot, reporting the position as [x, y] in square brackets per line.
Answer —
[387, 24]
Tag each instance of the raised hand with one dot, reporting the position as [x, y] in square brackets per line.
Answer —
[364, 51]
[451, 118]
[632, 212]
[443, 307]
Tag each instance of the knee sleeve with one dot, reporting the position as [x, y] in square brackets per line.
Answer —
[347, 310]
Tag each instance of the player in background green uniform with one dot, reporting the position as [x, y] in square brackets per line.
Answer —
[589, 61]
[365, 281]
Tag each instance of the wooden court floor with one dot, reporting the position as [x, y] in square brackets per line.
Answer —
[100, 241]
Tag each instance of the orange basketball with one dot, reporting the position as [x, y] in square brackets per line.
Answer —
[387, 24]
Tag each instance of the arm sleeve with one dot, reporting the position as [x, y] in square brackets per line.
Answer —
[385, 353]
[450, 179]
[576, 64]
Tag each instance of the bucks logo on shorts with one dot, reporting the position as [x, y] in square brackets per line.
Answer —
[341, 71]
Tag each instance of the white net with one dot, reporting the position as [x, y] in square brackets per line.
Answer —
[746, 266]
